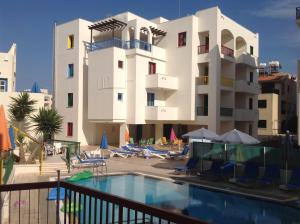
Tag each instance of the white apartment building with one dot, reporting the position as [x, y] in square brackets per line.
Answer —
[8, 69]
[8, 82]
[127, 72]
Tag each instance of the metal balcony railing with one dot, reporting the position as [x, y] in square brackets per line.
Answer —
[298, 13]
[202, 111]
[116, 42]
[227, 51]
[202, 49]
[28, 203]
[226, 112]
[228, 82]
[202, 80]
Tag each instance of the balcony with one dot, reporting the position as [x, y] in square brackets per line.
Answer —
[246, 115]
[243, 86]
[202, 111]
[115, 42]
[161, 113]
[274, 91]
[227, 82]
[159, 81]
[247, 59]
[203, 49]
[202, 80]
[226, 112]
[298, 16]
[227, 51]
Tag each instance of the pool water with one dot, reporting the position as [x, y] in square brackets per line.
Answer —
[194, 201]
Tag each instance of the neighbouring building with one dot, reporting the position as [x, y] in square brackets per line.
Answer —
[8, 82]
[298, 77]
[146, 76]
[277, 101]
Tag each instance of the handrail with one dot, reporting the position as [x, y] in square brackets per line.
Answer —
[202, 80]
[202, 49]
[227, 51]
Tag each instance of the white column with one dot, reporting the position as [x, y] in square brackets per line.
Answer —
[123, 128]
[158, 132]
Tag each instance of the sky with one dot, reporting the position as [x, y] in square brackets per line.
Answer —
[30, 24]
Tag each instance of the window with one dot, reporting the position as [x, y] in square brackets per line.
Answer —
[70, 41]
[70, 70]
[262, 124]
[70, 129]
[182, 39]
[120, 64]
[3, 85]
[150, 99]
[250, 129]
[262, 104]
[70, 99]
[120, 96]
[152, 68]
[250, 103]
[251, 50]
[251, 77]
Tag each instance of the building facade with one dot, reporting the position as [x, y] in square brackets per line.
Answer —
[8, 69]
[277, 103]
[148, 76]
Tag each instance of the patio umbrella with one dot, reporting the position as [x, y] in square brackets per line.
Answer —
[12, 137]
[127, 136]
[238, 137]
[202, 133]
[172, 135]
[4, 135]
[103, 144]
[35, 88]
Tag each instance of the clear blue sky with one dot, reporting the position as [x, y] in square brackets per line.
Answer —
[29, 23]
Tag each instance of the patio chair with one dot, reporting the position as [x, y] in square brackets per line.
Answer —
[251, 172]
[151, 151]
[219, 170]
[57, 147]
[131, 141]
[180, 155]
[163, 141]
[143, 142]
[271, 175]
[189, 166]
[49, 149]
[294, 182]
[83, 162]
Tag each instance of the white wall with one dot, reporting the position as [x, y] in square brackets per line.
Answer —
[8, 67]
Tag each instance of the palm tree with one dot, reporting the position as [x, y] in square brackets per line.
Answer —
[47, 122]
[19, 110]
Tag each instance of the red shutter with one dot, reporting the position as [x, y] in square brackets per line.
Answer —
[70, 129]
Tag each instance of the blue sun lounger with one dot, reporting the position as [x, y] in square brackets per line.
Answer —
[151, 151]
[294, 182]
[271, 175]
[219, 169]
[180, 155]
[251, 172]
[190, 165]
[122, 153]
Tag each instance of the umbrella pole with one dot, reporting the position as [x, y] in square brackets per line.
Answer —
[1, 171]
[286, 171]
[264, 157]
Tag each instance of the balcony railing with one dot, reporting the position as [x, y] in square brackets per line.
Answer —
[226, 112]
[202, 80]
[227, 51]
[298, 13]
[276, 91]
[202, 111]
[28, 203]
[115, 42]
[227, 82]
[203, 49]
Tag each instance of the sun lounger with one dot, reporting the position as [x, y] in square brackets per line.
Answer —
[151, 151]
[271, 175]
[181, 155]
[189, 166]
[250, 174]
[132, 149]
[94, 157]
[93, 163]
[121, 153]
[219, 170]
[294, 182]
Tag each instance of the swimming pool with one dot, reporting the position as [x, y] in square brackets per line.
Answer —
[193, 200]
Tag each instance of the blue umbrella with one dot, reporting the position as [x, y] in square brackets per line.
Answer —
[12, 137]
[35, 88]
[103, 144]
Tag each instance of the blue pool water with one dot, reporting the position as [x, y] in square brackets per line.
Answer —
[194, 201]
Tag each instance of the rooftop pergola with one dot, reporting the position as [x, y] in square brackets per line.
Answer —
[107, 26]
[158, 32]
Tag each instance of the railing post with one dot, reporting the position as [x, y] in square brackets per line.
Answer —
[121, 214]
[58, 197]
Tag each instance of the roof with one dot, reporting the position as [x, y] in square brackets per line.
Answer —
[275, 77]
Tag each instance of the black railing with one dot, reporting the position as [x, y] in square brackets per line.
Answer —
[227, 112]
[202, 111]
[298, 13]
[276, 91]
[27, 203]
